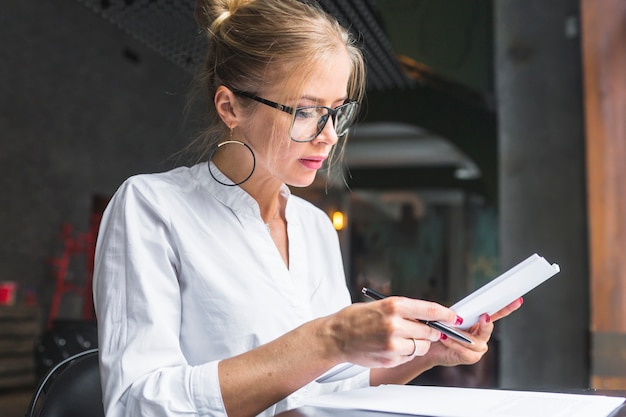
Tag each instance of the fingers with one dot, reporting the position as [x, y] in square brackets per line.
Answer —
[485, 327]
[480, 334]
[417, 336]
[414, 351]
[450, 352]
[412, 309]
[387, 332]
[507, 310]
[413, 313]
[481, 331]
[420, 347]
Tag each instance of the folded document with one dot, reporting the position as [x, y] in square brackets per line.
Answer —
[504, 289]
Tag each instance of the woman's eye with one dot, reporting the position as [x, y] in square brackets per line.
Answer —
[306, 114]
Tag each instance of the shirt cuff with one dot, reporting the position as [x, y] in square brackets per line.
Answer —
[206, 391]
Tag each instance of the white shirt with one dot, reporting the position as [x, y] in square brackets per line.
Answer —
[187, 274]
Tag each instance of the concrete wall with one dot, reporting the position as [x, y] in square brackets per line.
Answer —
[82, 107]
[542, 189]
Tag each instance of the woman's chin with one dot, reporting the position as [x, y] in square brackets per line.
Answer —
[302, 181]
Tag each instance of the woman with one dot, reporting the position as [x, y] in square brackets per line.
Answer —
[219, 293]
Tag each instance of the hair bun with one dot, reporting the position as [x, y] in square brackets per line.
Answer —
[211, 13]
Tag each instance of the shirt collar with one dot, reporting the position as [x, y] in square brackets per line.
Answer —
[234, 197]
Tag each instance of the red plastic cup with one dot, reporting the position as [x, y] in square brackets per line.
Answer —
[7, 293]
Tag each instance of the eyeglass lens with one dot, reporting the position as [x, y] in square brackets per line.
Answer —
[310, 121]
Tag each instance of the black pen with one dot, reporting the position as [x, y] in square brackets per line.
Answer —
[437, 325]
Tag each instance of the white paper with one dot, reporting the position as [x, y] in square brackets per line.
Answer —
[341, 371]
[504, 289]
[467, 402]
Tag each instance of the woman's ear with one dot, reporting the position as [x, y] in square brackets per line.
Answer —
[226, 106]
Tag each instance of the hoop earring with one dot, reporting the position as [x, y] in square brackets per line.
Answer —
[227, 142]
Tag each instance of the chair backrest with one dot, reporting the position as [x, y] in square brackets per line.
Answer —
[70, 389]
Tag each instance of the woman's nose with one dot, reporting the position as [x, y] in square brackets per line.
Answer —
[328, 133]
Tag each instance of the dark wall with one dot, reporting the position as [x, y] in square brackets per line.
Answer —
[82, 107]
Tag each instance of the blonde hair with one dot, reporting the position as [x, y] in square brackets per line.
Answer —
[259, 43]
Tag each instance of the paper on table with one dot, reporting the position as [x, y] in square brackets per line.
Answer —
[504, 289]
[467, 402]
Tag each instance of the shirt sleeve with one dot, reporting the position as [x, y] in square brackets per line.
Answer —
[138, 307]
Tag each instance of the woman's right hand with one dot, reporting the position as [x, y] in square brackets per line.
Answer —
[385, 333]
[377, 334]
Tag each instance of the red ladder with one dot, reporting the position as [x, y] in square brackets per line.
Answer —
[77, 247]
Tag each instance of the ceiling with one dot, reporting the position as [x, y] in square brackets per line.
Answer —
[423, 125]
[168, 26]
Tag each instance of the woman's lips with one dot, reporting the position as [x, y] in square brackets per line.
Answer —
[313, 162]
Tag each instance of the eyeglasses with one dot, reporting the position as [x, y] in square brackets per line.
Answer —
[309, 121]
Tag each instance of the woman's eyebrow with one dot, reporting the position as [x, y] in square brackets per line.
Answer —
[317, 100]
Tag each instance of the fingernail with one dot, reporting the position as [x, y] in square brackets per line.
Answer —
[487, 318]
[459, 321]
[521, 301]
[443, 337]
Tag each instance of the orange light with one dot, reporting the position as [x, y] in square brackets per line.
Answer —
[338, 220]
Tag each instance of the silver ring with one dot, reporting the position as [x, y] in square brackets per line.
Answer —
[414, 349]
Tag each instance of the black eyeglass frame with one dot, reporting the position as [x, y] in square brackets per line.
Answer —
[331, 112]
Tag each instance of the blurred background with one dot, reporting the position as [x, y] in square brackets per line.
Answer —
[492, 130]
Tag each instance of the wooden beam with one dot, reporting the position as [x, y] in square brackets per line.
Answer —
[604, 66]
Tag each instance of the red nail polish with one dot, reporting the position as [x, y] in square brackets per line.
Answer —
[459, 321]
[487, 318]
[443, 337]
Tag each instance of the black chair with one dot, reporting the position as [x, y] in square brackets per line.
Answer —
[70, 389]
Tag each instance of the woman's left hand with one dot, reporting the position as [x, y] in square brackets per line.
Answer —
[450, 352]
